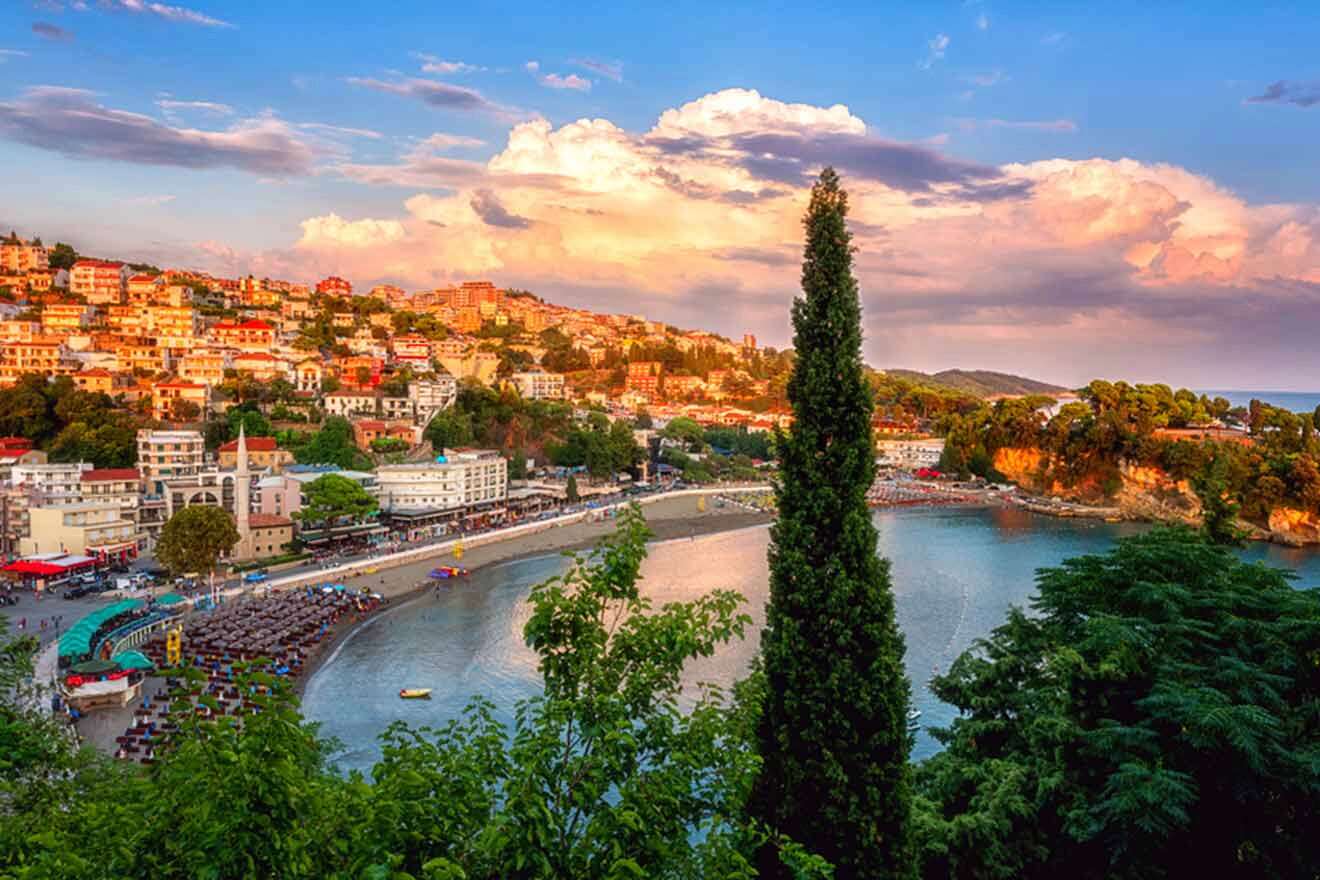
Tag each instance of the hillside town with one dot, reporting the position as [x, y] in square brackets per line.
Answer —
[225, 392]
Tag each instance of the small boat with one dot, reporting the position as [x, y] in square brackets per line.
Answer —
[415, 694]
[445, 572]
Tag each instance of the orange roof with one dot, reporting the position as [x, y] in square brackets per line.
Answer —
[107, 475]
[268, 520]
[254, 444]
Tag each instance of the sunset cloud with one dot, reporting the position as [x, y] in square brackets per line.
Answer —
[70, 122]
[704, 207]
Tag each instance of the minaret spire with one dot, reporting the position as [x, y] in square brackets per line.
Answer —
[242, 500]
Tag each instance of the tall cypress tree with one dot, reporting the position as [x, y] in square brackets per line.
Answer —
[833, 733]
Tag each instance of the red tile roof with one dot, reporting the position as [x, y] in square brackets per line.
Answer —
[98, 264]
[268, 520]
[109, 475]
[254, 444]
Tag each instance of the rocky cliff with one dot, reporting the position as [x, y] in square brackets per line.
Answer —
[1148, 493]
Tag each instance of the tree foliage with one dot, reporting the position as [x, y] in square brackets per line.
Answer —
[331, 497]
[833, 734]
[333, 445]
[1154, 716]
[194, 539]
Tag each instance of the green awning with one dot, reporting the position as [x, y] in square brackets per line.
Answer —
[133, 660]
[170, 599]
[93, 667]
[78, 640]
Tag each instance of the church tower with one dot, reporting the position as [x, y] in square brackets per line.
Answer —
[242, 499]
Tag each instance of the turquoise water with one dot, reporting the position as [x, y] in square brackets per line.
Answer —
[955, 573]
[1293, 401]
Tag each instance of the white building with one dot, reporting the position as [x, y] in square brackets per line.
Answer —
[457, 480]
[539, 385]
[39, 485]
[350, 403]
[910, 454]
[163, 455]
[433, 395]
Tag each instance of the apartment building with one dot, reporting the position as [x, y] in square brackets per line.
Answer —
[17, 255]
[19, 331]
[143, 289]
[261, 366]
[166, 397]
[118, 488]
[252, 335]
[334, 286]
[308, 375]
[457, 480]
[44, 355]
[645, 377]
[38, 485]
[430, 396]
[65, 318]
[263, 454]
[538, 385]
[100, 282]
[81, 529]
[172, 326]
[411, 350]
[204, 366]
[350, 403]
[163, 455]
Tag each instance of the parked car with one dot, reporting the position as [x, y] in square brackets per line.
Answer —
[77, 591]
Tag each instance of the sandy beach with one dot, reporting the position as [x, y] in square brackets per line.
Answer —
[668, 519]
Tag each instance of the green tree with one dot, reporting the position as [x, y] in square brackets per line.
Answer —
[684, 430]
[333, 444]
[1152, 716]
[184, 410]
[571, 490]
[449, 429]
[331, 497]
[833, 733]
[62, 256]
[518, 465]
[194, 539]
[1219, 510]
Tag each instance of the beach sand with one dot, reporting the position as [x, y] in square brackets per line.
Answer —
[668, 519]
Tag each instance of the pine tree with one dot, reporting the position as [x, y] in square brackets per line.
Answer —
[833, 732]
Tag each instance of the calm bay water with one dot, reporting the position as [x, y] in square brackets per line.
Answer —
[955, 573]
[1293, 401]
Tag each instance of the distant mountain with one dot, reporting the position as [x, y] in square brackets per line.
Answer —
[982, 383]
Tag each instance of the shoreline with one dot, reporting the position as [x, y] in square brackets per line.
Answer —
[668, 519]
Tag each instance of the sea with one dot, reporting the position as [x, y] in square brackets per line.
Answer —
[955, 571]
[1293, 401]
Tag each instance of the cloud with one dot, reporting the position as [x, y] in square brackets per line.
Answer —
[985, 80]
[1060, 126]
[487, 206]
[11, 53]
[345, 131]
[53, 32]
[572, 81]
[532, 66]
[170, 105]
[69, 122]
[982, 22]
[935, 49]
[444, 96]
[335, 230]
[1065, 268]
[442, 141]
[179, 14]
[609, 69]
[434, 64]
[1301, 94]
[1054, 38]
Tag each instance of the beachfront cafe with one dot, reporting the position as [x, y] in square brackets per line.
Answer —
[45, 571]
[99, 658]
[423, 523]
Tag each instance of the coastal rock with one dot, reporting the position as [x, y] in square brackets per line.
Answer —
[1150, 493]
[1294, 527]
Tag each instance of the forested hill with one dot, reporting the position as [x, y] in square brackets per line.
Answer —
[982, 383]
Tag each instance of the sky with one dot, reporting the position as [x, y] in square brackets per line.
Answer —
[1061, 190]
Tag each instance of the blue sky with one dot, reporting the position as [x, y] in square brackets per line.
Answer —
[995, 84]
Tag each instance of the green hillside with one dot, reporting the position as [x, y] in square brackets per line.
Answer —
[982, 383]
